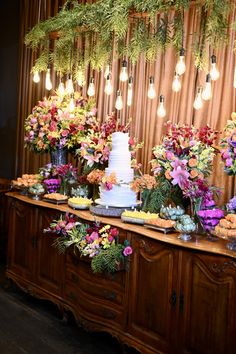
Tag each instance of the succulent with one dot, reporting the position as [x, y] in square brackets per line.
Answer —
[185, 224]
[171, 213]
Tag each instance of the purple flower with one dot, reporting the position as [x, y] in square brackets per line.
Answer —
[127, 251]
[211, 213]
[228, 162]
[232, 204]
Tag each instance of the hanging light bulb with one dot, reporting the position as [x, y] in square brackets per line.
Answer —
[69, 85]
[119, 102]
[235, 77]
[161, 111]
[61, 88]
[91, 88]
[107, 71]
[80, 77]
[72, 104]
[176, 84]
[206, 93]
[180, 66]
[36, 77]
[198, 103]
[151, 88]
[124, 71]
[214, 72]
[48, 82]
[130, 91]
[108, 86]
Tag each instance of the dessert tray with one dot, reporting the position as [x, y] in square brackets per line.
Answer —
[78, 203]
[165, 230]
[132, 220]
[99, 202]
[55, 198]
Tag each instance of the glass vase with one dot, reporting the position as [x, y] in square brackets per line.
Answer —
[59, 156]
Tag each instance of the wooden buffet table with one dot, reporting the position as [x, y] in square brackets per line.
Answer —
[178, 297]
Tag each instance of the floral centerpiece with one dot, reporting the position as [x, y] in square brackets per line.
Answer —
[182, 163]
[144, 184]
[228, 146]
[52, 124]
[99, 242]
[94, 148]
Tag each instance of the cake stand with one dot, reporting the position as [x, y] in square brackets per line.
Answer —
[102, 209]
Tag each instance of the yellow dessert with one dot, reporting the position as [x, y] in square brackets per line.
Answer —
[80, 201]
[139, 215]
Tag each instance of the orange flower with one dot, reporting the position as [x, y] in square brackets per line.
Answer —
[193, 173]
[192, 162]
[167, 175]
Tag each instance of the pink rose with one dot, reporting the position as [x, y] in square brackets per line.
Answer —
[127, 251]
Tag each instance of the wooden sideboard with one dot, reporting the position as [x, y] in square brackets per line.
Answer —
[178, 297]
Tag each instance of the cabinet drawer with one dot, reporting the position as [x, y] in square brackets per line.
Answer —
[82, 267]
[105, 293]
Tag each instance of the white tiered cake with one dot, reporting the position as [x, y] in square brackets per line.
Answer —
[121, 195]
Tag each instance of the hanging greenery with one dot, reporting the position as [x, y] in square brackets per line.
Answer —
[89, 34]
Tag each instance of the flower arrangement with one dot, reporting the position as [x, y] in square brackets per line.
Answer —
[52, 125]
[228, 146]
[95, 241]
[94, 148]
[144, 185]
[183, 161]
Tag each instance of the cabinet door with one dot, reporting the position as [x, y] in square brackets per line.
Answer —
[153, 290]
[50, 264]
[21, 239]
[208, 306]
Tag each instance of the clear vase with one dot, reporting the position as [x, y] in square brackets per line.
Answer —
[59, 156]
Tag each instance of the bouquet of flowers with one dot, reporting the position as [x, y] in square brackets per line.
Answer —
[52, 124]
[228, 146]
[183, 161]
[94, 148]
[96, 241]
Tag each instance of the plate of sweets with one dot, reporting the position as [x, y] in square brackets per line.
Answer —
[137, 217]
[79, 202]
[24, 182]
[55, 198]
[226, 229]
[159, 224]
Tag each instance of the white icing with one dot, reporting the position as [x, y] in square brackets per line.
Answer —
[120, 164]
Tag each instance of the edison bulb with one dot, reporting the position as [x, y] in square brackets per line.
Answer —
[161, 111]
[80, 78]
[215, 74]
[72, 104]
[235, 77]
[119, 101]
[69, 86]
[151, 88]
[180, 66]
[91, 88]
[176, 84]
[107, 71]
[124, 71]
[48, 82]
[36, 77]
[198, 103]
[207, 93]
[108, 86]
[130, 92]
[61, 88]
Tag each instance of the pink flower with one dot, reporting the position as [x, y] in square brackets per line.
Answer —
[180, 176]
[228, 162]
[127, 251]
[108, 186]
[69, 226]
[114, 232]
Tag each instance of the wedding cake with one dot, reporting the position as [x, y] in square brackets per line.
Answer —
[121, 195]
